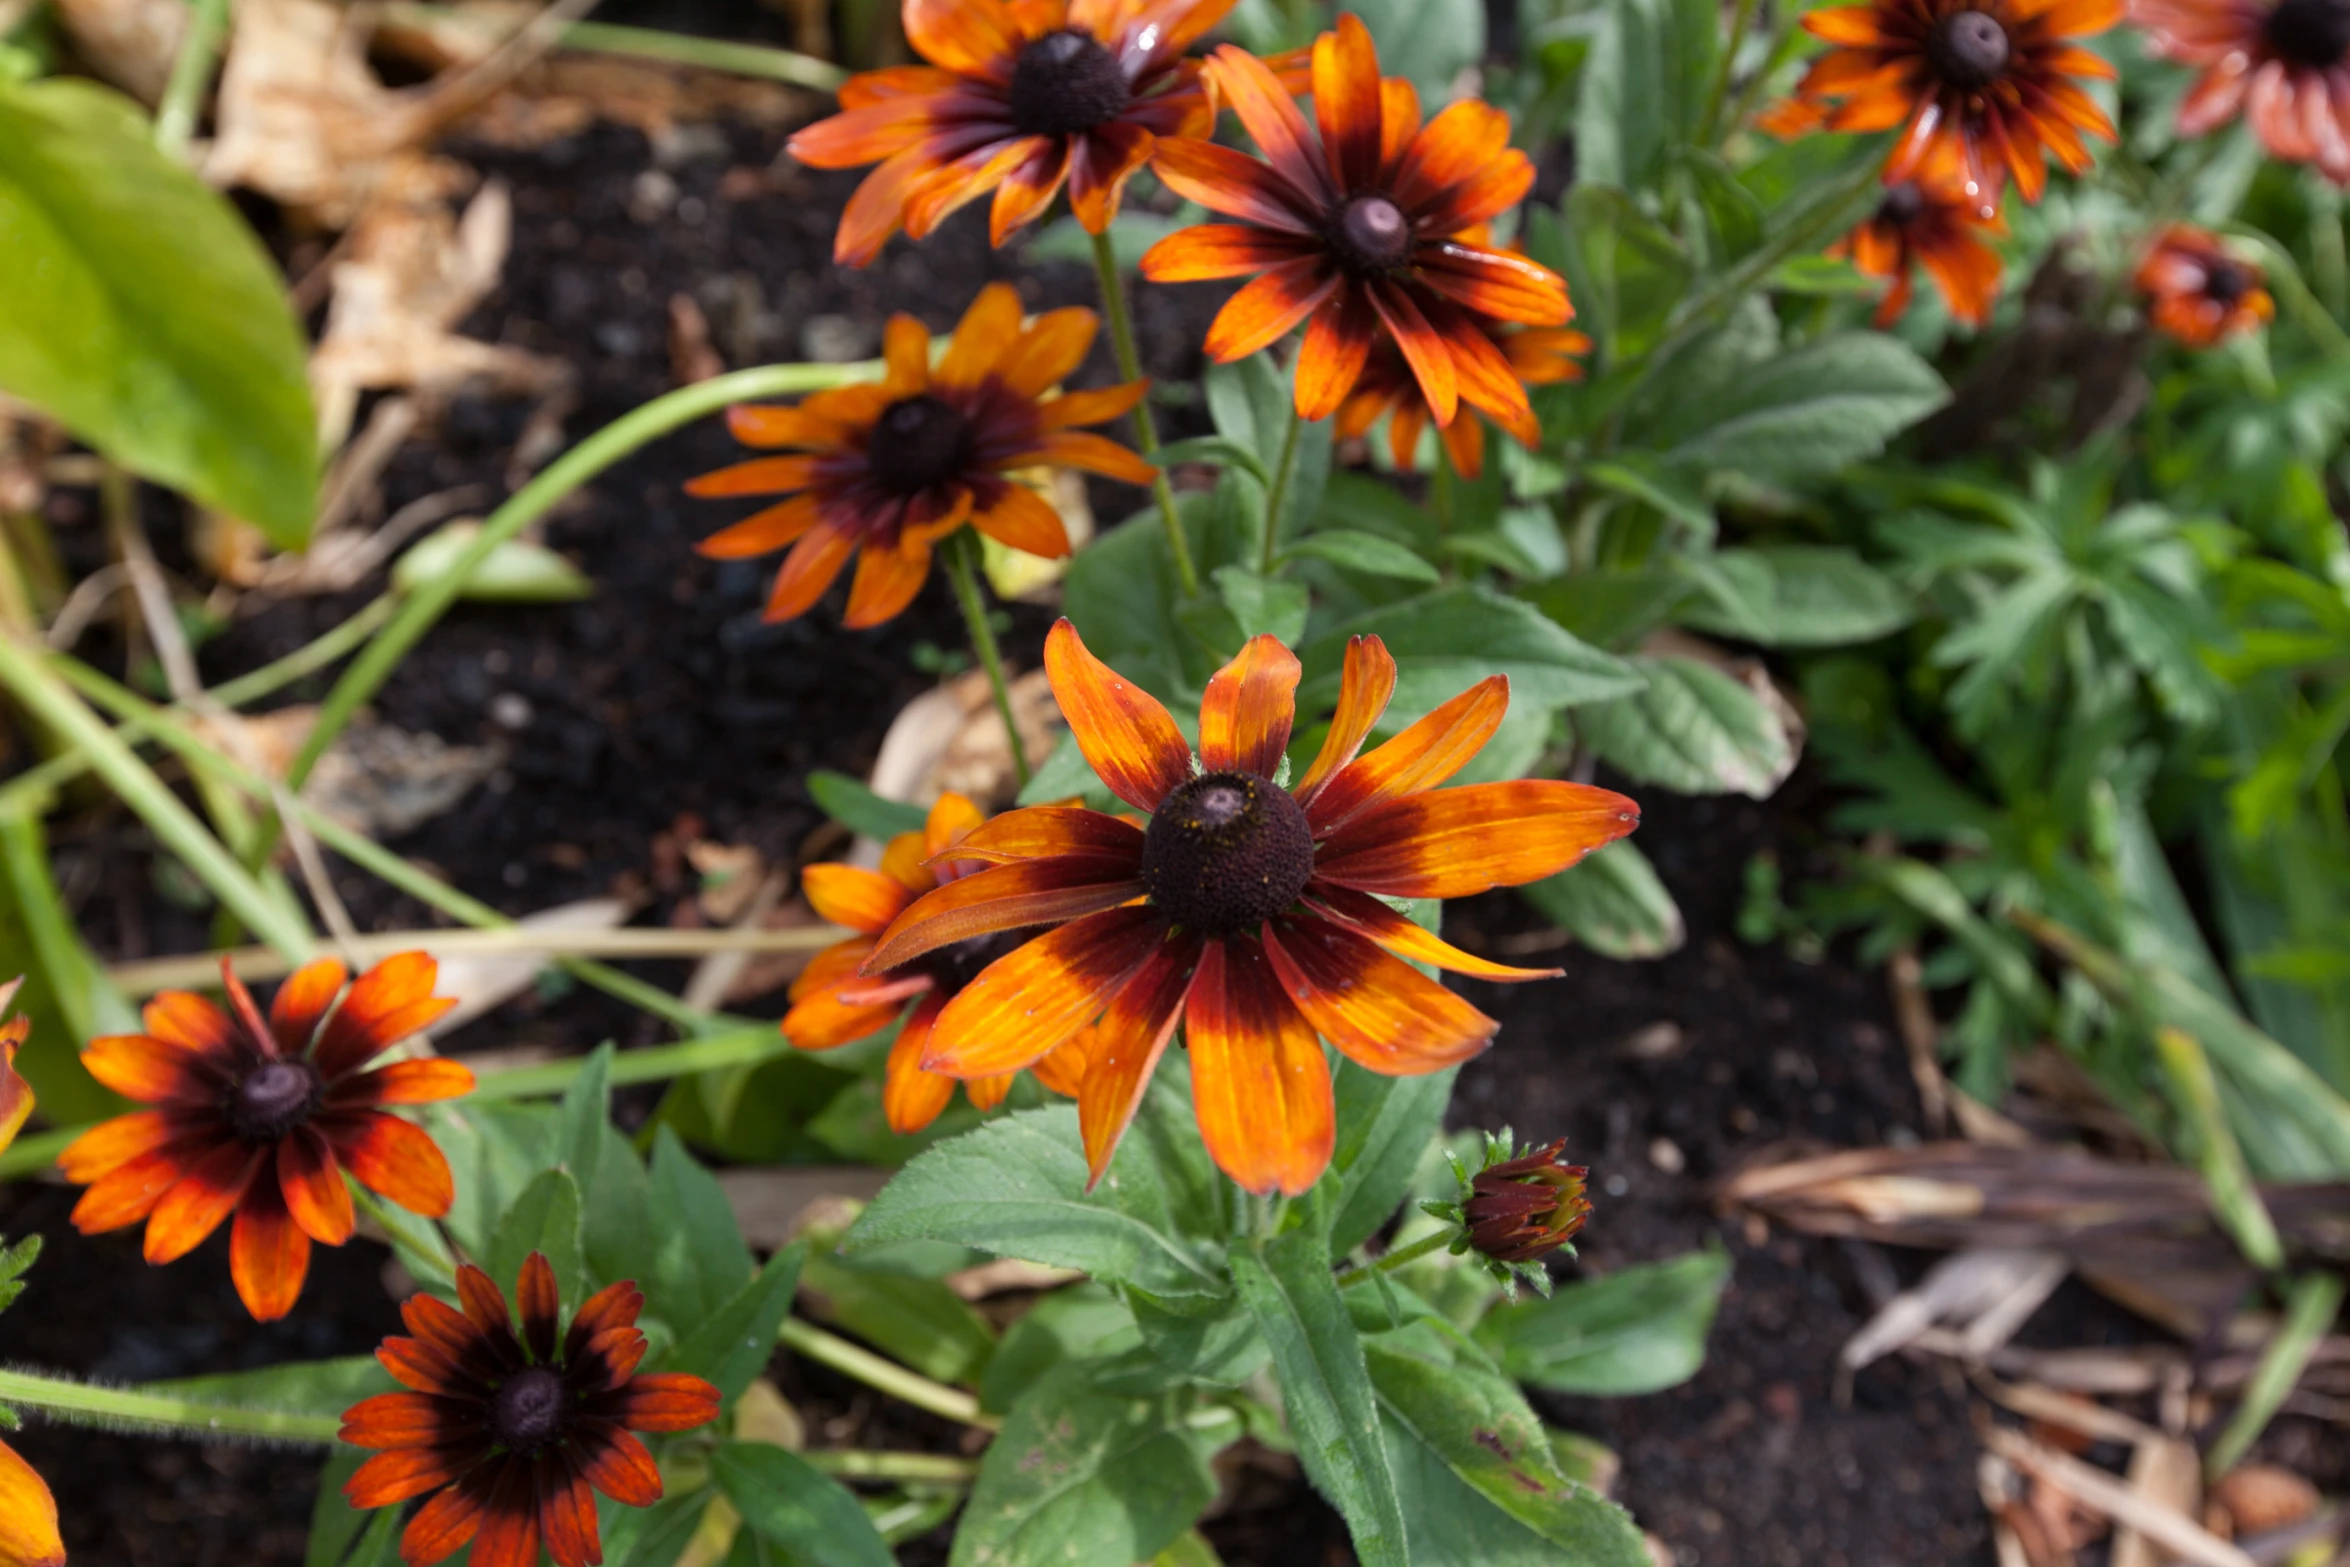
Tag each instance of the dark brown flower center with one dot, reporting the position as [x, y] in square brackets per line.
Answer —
[916, 443]
[272, 1099]
[957, 964]
[1969, 50]
[1065, 83]
[1226, 852]
[2312, 33]
[2225, 282]
[1371, 235]
[1903, 205]
[530, 1410]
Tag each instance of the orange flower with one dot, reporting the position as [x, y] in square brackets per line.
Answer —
[28, 1513]
[261, 1118]
[2197, 292]
[1249, 913]
[1937, 225]
[1018, 98]
[886, 471]
[1537, 355]
[1364, 232]
[834, 1004]
[2288, 63]
[1989, 88]
[519, 1429]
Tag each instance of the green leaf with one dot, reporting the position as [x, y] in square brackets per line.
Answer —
[1325, 1388]
[514, 572]
[617, 1230]
[1638, 1330]
[1693, 729]
[1369, 553]
[1386, 1127]
[1210, 1340]
[1429, 41]
[1448, 640]
[585, 1114]
[1806, 414]
[729, 1347]
[1083, 1478]
[790, 1504]
[656, 1538]
[1221, 450]
[859, 809]
[142, 313]
[1795, 595]
[66, 992]
[1081, 1322]
[2235, 1199]
[334, 1523]
[307, 1387]
[1262, 605]
[1613, 903]
[703, 1258]
[918, 1321]
[1612, 609]
[1642, 88]
[1066, 774]
[545, 1218]
[1642, 477]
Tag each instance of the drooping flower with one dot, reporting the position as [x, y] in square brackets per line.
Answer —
[1537, 355]
[1523, 1209]
[1985, 90]
[2197, 292]
[1249, 913]
[28, 1513]
[833, 1004]
[517, 1431]
[261, 1118]
[884, 472]
[1934, 224]
[2286, 64]
[1360, 232]
[1018, 99]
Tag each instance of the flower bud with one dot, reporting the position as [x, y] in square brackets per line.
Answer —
[1525, 1208]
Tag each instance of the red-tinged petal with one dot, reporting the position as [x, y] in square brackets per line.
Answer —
[969, 37]
[1367, 916]
[759, 476]
[1259, 1081]
[448, 1523]
[1063, 1070]
[28, 1516]
[1496, 284]
[1469, 139]
[809, 569]
[1125, 734]
[1221, 250]
[199, 1200]
[886, 582]
[1029, 187]
[1021, 519]
[618, 1465]
[1347, 102]
[390, 1002]
[826, 1019]
[539, 1304]
[129, 1192]
[1076, 408]
[1338, 345]
[427, 1368]
[1423, 756]
[1380, 1011]
[405, 1473]
[1126, 1046]
[666, 1401]
[1422, 349]
[763, 532]
[312, 1184]
[1464, 444]
[611, 1309]
[1854, 26]
[911, 1096]
[1100, 163]
[1005, 897]
[190, 1023]
[878, 207]
[1486, 380]
[1271, 118]
[850, 895]
[1232, 183]
[252, 1027]
[1094, 454]
[1035, 998]
[1364, 687]
[301, 1001]
[428, 1080]
[866, 133]
[110, 1145]
[152, 1072]
[965, 179]
[390, 1420]
[268, 1253]
[834, 964]
[1484, 195]
[1047, 351]
[1244, 719]
[395, 1158]
[1262, 313]
[1399, 124]
[1041, 831]
[773, 425]
[567, 1511]
[986, 334]
[509, 1535]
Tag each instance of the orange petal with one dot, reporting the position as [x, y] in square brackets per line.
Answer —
[1423, 756]
[1095, 454]
[768, 424]
[1347, 101]
[389, 1003]
[952, 818]
[151, 1071]
[835, 963]
[191, 1023]
[422, 1082]
[1125, 734]
[301, 1001]
[912, 1096]
[1454, 843]
[1005, 897]
[968, 37]
[623, 1470]
[393, 1157]
[668, 1401]
[759, 476]
[986, 334]
[1262, 313]
[406, 1472]
[1221, 250]
[1024, 520]
[1259, 1082]
[1076, 408]
[1126, 1045]
[823, 1018]
[1040, 831]
[1494, 283]
[1047, 350]
[129, 1192]
[1063, 1070]
[389, 1420]
[1380, 1011]
[965, 179]
[1245, 717]
[1468, 139]
[1029, 187]
[1271, 118]
[268, 1253]
[1032, 1000]
[1231, 183]
[28, 1516]
[763, 532]
[1491, 190]
[886, 582]
[1364, 687]
[509, 1534]
[538, 1303]
[1367, 916]
[312, 1185]
[1423, 349]
[445, 1525]
[112, 1144]
[1338, 345]
[199, 1200]
[1101, 162]
[809, 569]
[567, 1509]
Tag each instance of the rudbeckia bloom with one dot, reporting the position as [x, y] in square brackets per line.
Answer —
[834, 1004]
[2197, 292]
[1249, 913]
[1934, 224]
[1365, 233]
[1019, 99]
[2287, 63]
[28, 1513]
[885, 471]
[517, 1431]
[1537, 355]
[261, 1118]
[1988, 88]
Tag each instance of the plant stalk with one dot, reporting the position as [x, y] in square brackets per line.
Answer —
[79, 1403]
[1709, 125]
[191, 74]
[962, 553]
[1146, 434]
[849, 1463]
[882, 1375]
[1278, 496]
[1395, 1259]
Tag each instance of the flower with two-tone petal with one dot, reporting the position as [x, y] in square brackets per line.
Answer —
[1018, 98]
[1983, 90]
[833, 1003]
[517, 1431]
[885, 471]
[28, 1513]
[1537, 355]
[1253, 915]
[261, 1118]
[2284, 64]
[2197, 292]
[1934, 224]
[1362, 231]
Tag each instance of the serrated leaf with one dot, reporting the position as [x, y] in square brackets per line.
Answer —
[1805, 414]
[1692, 728]
[1637, 1330]
[1613, 903]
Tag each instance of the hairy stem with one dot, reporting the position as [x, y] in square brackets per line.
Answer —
[79, 1403]
[1146, 434]
[962, 553]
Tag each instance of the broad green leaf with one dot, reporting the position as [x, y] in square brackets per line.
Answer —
[859, 809]
[703, 1260]
[1613, 903]
[1638, 1330]
[1325, 1388]
[1805, 414]
[657, 1536]
[585, 1113]
[545, 1219]
[515, 572]
[1083, 1478]
[1262, 605]
[729, 1347]
[1446, 641]
[1016, 1187]
[1429, 41]
[1694, 729]
[1612, 609]
[1370, 553]
[788, 1503]
[335, 1525]
[616, 1225]
[1386, 1127]
[1642, 88]
[1085, 1321]
[1213, 1341]
[494, 1150]
[1795, 595]
[918, 1321]
[142, 314]
[1643, 477]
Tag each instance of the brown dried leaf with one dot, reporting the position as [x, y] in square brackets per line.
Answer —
[130, 43]
[2255, 1498]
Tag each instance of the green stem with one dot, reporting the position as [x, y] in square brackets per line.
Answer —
[645, 43]
[1710, 123]
[78, 1403]
[1440, 484]
[1396, 1259]
[1278, 496]
[883, 1376]
[428, 1251]
[1146, 434]
[963, 568]
[191, 74]
[309, 658]
[848, 1463]
[2310, 1309]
